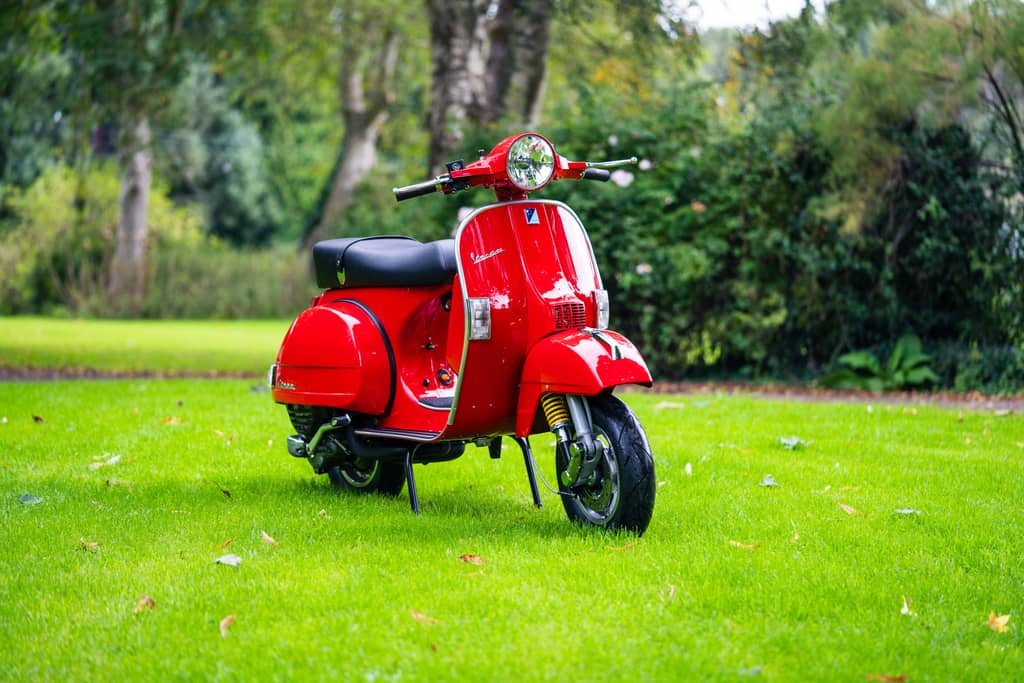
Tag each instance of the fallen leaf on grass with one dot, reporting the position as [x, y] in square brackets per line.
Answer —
[905, 610]
[225, 624]
[887, 678]
[230, 560]
[37, 419]
[768, 481]
[745, 546]
[268, 539]
[144, 603]
[223, 544]
[669, 594]
[627, 546]
[423, 618]
[848, 510]
[323, 513]
[109, 462]
[29, 499]
[218, 432]
[170, 420]
[998, 624]
[472, 559]
[89, 545]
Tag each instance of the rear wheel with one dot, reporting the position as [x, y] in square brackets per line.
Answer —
[360, 475]
[620, 495]
[365, 475]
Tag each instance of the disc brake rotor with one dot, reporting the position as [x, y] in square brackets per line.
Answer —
[600, 500]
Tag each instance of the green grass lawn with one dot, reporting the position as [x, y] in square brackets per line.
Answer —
[168, 346]
[733, 580]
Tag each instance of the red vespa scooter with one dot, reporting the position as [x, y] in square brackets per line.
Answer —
[415, 350]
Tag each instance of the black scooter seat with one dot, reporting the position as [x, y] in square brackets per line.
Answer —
[383, 262]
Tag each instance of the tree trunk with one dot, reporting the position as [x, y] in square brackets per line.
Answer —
[517, 64]
[128, 269]
[458, 31]
[366, 94]
[489, 63]
[356, 158]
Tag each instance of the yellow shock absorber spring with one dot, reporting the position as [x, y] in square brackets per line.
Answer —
[556, 410]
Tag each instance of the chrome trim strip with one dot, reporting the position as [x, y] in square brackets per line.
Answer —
[407, 435]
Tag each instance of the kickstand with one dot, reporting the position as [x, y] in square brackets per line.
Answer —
[524, 444]
[414, 500]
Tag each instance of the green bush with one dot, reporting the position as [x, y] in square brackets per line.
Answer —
[907, 368]
[213, 280]
[55, 251]
[732, 253]
[988, 369]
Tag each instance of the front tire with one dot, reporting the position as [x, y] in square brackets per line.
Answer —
[622, 494]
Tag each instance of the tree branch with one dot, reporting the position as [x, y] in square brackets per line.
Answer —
[1009, 114]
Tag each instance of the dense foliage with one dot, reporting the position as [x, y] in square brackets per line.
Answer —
[823, 185]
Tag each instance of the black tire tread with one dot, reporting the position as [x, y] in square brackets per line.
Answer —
[636, 466]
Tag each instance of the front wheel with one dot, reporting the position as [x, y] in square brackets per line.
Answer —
[621, 495]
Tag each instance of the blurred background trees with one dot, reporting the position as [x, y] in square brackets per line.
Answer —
[826, 183]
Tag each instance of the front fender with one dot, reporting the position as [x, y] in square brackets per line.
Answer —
[576, 362]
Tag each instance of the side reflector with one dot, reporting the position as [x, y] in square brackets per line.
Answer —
[272, 376]
[603, 308]
[479, 318]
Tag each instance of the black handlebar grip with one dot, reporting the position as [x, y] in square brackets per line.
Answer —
[601, 174]
[417, 190]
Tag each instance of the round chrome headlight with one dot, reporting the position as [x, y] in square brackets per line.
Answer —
[530, 162]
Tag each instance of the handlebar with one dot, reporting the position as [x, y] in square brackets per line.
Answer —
[484, 175]
[611, 164]
[420, 189]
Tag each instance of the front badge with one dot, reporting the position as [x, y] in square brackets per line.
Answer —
[532, 217]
